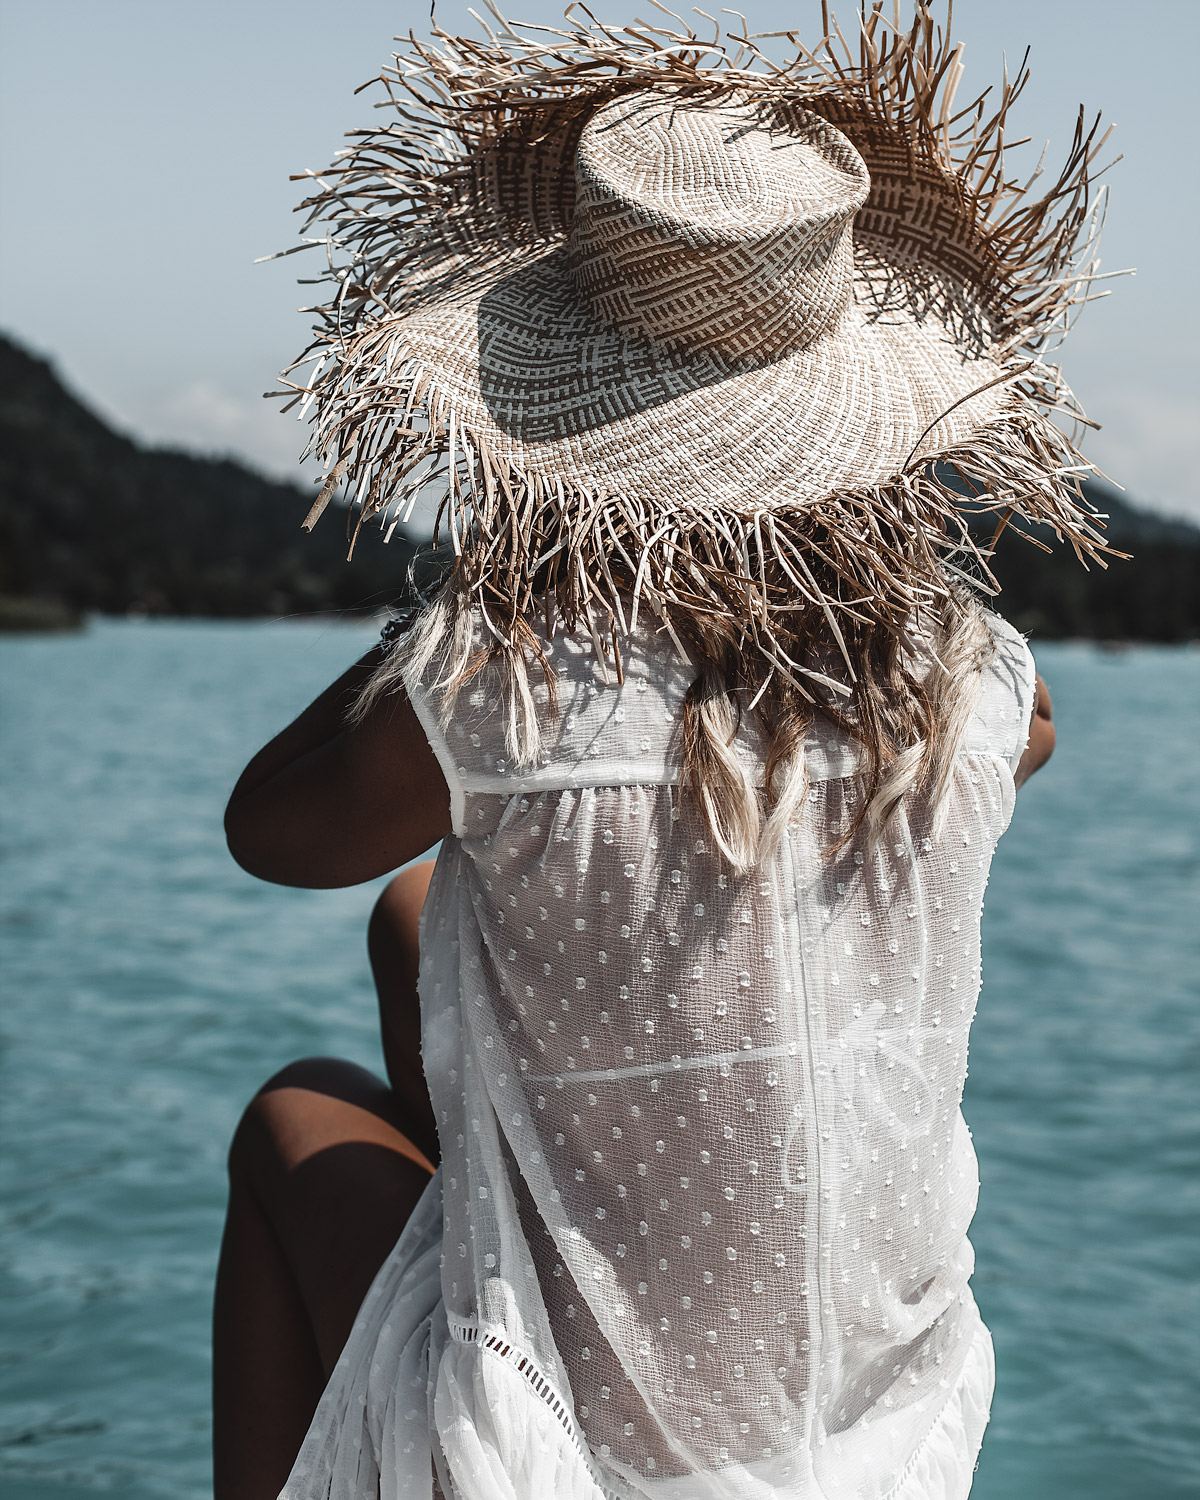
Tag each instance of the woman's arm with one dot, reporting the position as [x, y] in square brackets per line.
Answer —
[1041, 735]
[330, 804]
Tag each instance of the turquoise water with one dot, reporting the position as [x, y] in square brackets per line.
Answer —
[148, 986]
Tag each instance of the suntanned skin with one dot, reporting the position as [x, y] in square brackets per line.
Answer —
[1041, 735]
[328, 1162]
[325, 804]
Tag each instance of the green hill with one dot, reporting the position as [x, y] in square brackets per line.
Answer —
[96, 522]
[1154, 596]
[91, 521]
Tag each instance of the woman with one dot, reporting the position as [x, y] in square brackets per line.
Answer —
[718, 743]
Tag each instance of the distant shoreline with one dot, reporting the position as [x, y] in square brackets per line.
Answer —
[29, 617]
[93, 523]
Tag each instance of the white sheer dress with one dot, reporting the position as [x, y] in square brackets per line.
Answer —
[700, 1227]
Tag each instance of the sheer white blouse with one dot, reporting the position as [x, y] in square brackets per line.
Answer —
[700, 1227]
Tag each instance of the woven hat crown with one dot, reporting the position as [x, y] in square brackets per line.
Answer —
[717, 228]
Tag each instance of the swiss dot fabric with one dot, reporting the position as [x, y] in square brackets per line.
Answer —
[700, 1228]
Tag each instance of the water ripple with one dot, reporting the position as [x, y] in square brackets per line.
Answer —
[150, 986]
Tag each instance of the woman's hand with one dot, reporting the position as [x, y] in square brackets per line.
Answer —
[326, 803]
[1041, 735]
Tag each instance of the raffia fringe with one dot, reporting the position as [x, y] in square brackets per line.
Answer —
[527, 542]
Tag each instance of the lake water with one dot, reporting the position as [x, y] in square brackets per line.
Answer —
[149, 986]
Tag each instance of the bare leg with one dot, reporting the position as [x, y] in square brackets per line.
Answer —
[322, 1181]
[392, 946]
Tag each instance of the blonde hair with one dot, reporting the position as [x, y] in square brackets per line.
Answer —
[905, 697]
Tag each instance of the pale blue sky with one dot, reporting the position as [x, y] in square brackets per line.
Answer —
[145, 147]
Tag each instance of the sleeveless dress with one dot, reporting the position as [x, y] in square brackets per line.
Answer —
[700, 1227]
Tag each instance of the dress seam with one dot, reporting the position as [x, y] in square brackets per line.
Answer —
[813, 1177]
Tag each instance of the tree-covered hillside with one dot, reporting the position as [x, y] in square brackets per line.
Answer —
[98, 522]
[93, 521]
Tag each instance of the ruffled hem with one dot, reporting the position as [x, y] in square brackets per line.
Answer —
[411, 1394]
[943, 1468]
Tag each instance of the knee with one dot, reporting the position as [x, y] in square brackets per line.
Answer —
[279, 1109]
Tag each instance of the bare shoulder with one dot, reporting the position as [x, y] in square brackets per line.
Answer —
[334, 800]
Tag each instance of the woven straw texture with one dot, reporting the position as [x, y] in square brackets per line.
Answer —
[673, 326]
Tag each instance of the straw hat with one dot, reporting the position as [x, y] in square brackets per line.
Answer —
[675, 324]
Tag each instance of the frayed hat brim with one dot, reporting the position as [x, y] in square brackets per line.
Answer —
[455, 354]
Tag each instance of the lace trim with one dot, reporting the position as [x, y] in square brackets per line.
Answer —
[466, 1331]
